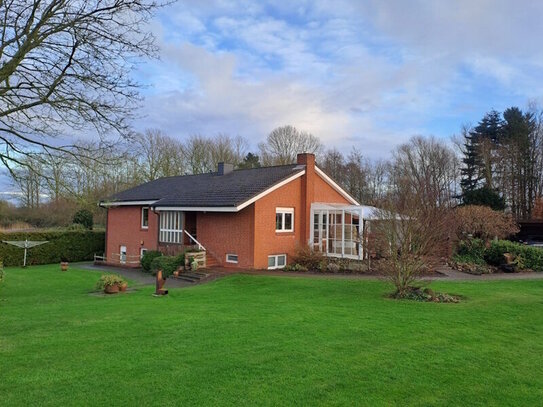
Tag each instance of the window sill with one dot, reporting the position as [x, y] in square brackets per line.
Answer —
[284, 233]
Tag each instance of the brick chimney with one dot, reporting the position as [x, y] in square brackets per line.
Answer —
[224, 168]
[308, 192]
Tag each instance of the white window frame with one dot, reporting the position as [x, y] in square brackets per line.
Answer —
[275, 261]
[230, 260]
[171, 227]
[283, 212]
[142, 210]
[142, 251]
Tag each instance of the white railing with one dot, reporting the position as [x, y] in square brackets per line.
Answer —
[200, 246]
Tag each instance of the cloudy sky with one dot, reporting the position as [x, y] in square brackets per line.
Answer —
[368, 74]
[364, 73]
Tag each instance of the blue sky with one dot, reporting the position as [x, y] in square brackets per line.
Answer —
[368, 74]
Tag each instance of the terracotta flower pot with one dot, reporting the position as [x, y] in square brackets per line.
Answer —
[111, 289]
[64, 266]
[122, 287]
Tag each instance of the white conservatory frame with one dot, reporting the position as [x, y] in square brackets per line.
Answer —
[337, 230]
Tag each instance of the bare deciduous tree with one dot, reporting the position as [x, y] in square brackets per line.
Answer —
[429, 168]
[284, 143]
[159, 155]
[65, 69]
[408, 233]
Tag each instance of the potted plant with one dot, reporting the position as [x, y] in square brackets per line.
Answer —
[194, 265]
[189, 262]
[110, 283]
[180, 264]
[63, 264]
[123, 286]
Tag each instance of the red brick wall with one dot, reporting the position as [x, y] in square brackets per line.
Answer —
[324, 193]
[222, 233]
[292, 195]
[267, 240]
[124, 229]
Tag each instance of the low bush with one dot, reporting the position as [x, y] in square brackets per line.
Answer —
[471, 251]
[308, 258]
[333, 268]
[74, 245]
[295, 267]
[168, 264]
[528, 257]
[148, 258]
[426, 295]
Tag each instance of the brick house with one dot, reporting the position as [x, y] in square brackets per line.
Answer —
[252, 218]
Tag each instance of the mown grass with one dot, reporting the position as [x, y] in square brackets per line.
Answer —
[258, 340]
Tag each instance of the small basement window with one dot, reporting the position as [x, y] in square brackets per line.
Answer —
[145, 218]
[277, 261]
[284, 219]
[231, 258]
[142, 251]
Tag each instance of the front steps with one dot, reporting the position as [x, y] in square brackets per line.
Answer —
[192, 276]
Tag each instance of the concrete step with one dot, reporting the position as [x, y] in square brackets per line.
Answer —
[192, 277]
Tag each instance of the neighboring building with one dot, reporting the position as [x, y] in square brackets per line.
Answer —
[252, 218]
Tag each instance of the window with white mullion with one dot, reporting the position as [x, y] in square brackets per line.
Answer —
[171, 227]
[284, 219]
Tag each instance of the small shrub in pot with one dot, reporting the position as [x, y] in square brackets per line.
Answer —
[110, 283]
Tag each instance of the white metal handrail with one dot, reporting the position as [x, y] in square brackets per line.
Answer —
[200, 246]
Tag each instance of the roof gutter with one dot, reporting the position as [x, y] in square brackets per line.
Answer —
[125, 203]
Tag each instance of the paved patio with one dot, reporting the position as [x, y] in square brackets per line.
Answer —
[136, 275]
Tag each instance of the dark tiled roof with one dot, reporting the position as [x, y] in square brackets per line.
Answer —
[209, 190]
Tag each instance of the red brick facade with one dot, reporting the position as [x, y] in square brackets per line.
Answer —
[250, 233]
[124, 229]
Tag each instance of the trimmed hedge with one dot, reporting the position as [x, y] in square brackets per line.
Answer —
[532, 257]
[474, 251]
[72, 245]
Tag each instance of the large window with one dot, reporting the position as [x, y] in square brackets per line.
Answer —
[277, 261]
[145, 218]
[284, 220]
[171, 227]
[338, 232]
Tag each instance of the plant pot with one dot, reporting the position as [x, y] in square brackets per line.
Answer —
[176, 273]
[111, 289]
[64, 266]
[122, 287]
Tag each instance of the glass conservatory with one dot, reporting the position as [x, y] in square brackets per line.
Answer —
[340, 230]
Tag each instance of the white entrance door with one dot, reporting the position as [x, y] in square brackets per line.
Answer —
[122, 255]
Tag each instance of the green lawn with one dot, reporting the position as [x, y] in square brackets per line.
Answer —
[254, 340]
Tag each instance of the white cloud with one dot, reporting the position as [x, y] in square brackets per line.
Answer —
[367, 73]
